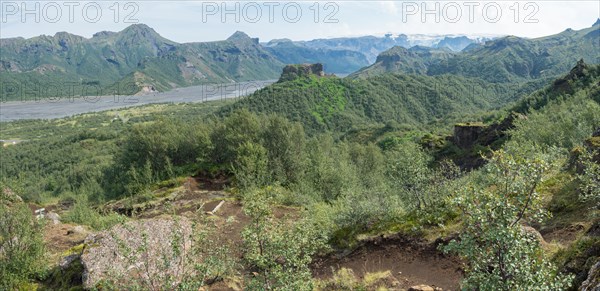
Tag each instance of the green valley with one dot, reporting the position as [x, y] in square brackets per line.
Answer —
[455, 163]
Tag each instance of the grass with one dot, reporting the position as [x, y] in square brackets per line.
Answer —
[83, 214]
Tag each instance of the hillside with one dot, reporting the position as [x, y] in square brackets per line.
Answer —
[506, 59]
[449, 165]
[124, 62]
[394, 211]
[331, 103]
[415, 60]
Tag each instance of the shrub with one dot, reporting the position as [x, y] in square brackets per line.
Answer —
[500, 254]
[21, 246]
[279, 251]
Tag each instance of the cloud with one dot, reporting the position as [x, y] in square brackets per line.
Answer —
[181, 21]
[390, 7]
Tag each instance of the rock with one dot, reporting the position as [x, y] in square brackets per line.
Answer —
[594, 230]
[592, 283]
[466, 134]
[421, 288]
[78, 229]
[136, 252]
[291, 72]
[9, 197]
[66, 261]
[534, 233]
[54, 217]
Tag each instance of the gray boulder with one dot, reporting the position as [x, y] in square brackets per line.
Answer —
[138, 254]
[592, 283]
[54, 217]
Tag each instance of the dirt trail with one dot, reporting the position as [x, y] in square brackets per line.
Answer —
[410, 262]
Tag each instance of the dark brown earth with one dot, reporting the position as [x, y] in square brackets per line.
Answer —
[411, 262]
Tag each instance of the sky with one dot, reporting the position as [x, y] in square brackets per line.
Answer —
[195, 21]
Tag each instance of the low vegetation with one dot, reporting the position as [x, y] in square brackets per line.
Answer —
[340, 184]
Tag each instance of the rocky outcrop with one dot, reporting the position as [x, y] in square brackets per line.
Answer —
[53, 217]
[592, 283]
[424, 288]
[564, 84]
[466, 134]
[8, 197]
[474, 136]
[138, 252]
[146, 89]
[291, 72]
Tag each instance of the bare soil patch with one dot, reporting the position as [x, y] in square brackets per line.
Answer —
[411, 262]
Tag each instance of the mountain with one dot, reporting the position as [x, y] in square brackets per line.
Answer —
[371, 46]
[127, 60]
[334, 60]
[415, 60]
[455, 43]
[324, 102]
[506, 59]
[138, 59]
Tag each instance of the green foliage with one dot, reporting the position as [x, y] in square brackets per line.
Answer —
[280, 251]
[285, 144]
[330, 103]
[229, 135]
[21, 246]
[190, 261]
[501, 255]
[507, 59]
[579, 257]
[590, 179]
[563, 124]
[419, 186]
[121, 63]
[83, 213]
[250, 169]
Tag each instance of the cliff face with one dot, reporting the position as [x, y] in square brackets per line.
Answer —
[291, 72]
[466, 134]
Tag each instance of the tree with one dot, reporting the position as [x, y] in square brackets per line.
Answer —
[234, 130]
[590, 178]
[279, 251]
[21, 246]
[410, 175]
[250, 167]
[501, 255]
[285, 143]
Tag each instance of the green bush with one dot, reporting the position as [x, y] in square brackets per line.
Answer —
[501, 255]
[83, 213]
[21, 246]
[279, 250]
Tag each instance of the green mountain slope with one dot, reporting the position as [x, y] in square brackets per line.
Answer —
[506, 59]
[415, 60]
[132, 58]
[331, 103]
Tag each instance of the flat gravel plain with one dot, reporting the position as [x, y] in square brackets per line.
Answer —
[49, 108]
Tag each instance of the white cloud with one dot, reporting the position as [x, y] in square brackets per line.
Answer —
[390, 7]
[182, 21]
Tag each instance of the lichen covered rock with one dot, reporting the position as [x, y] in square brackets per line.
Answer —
[137, 251]
[592, 283]
[291, 72]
